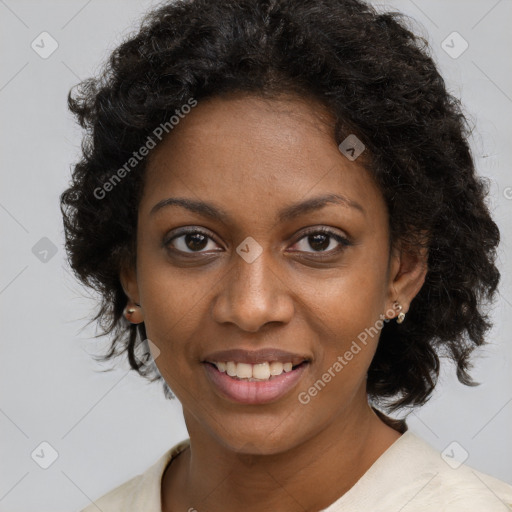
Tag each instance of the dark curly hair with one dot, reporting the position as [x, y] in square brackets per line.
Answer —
[378, 80]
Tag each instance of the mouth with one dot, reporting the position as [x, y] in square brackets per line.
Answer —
[260, 383]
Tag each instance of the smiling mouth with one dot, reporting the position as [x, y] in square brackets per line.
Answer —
[251, 390]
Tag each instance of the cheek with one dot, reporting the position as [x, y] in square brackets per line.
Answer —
[169, 295]
[346, 310]
[171, 319]
[173, 309]
[353, 297]
[348, 333]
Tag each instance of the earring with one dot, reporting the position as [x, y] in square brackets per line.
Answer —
[129, 311]
[401, 314]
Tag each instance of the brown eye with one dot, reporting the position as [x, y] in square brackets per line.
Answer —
[190, 241]
[323, 240]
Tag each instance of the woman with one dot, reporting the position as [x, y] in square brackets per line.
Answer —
[278, 204]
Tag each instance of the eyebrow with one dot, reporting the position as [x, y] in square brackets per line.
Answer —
[288, 213]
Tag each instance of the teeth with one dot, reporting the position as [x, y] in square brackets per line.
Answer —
[260, 371]
[276, 368]
[231, 369]
[244, 371]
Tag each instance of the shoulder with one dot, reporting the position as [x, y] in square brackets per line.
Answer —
[437, 482]
[466, 488]
[142, 492]
[117, 498]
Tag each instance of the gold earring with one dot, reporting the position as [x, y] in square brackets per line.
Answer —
[128, 312]
[401, 315]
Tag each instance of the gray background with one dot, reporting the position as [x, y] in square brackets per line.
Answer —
[107, 427]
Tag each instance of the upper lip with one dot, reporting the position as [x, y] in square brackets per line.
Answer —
[255, 356]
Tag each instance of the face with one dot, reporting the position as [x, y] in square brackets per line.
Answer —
[277, 242]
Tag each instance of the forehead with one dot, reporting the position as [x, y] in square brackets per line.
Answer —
[248, 152]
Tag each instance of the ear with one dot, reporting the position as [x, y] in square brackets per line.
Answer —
[132, 312]
[128, 278]
[407, 271]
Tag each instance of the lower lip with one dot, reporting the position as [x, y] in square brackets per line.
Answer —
[253, 392]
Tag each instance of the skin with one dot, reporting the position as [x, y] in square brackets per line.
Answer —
[252, 157]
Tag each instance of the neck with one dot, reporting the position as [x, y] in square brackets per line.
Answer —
[310, 476]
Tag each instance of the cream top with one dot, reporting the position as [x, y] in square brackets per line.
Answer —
[409, 476]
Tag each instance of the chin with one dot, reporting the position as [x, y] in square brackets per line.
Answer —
[253, 435]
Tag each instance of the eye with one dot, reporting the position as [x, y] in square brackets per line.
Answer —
[321, 240]
[190, 240]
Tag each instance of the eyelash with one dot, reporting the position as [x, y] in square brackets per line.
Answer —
[344, 242]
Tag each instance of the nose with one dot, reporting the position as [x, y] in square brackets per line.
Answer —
[253, 294]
